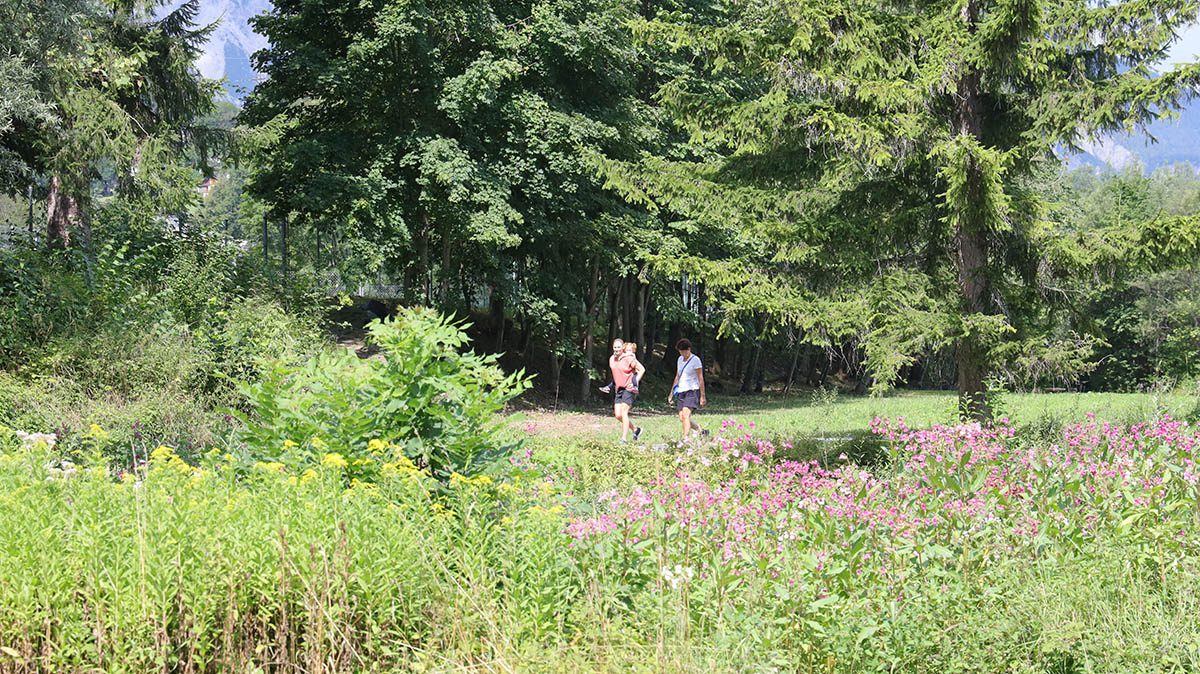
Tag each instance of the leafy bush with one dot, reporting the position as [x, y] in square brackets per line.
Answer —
[138, 420]
[437, 404]
[142, 332]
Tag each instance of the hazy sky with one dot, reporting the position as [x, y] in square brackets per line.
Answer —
[1188, 47]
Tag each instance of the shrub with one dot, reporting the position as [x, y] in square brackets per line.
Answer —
[437, 405]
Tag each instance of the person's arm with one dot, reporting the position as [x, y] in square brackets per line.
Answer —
[671, 393]
[700, 376]
[641, 370]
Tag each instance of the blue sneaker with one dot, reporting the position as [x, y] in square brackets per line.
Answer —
[637, 433]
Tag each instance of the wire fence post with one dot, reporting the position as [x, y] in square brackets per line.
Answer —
[266, 243]
[283, 246]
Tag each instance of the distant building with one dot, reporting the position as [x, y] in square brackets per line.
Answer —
[206, 186]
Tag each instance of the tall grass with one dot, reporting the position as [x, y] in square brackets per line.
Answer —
[968, 551]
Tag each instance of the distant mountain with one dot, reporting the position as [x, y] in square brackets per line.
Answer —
[228, 51]
[1178, 141]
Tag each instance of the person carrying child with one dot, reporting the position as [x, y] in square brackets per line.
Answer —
[626, 371]
[627, 347]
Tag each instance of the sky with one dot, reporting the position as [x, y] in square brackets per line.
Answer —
[1188, 47]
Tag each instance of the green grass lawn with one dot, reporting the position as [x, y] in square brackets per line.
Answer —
[806, 415]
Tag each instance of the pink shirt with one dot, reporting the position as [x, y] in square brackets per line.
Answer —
[623, 368]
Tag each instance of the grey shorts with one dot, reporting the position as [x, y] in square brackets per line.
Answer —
[625, 396]
[687, 399]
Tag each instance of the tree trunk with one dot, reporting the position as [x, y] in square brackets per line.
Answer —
[465, 285]
[760, 368]
[589, 328]
[641, 317]
[526, 342]
[629, 312]
[612, 315]
[62, 215]
[751, 366]
[557, 359]
[655, 330]
[787, 388]
[865, 382]
[670, 355]
[423, 251]
[444, 286]
[498, 318]
[824, 368]
[812, 362]
[971, 244]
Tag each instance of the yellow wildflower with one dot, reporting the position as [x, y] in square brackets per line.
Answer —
[293, 480]
[376, 446]
[96, 433]
[334, 460]
[318, 443]
[308, 475]
[288, 444]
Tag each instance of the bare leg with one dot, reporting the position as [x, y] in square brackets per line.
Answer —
[621, 412]
[685, 416]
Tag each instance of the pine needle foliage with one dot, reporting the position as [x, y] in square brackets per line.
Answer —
[885, 156]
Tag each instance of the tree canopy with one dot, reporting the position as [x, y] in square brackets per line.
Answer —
[864, 186]
[894, 151]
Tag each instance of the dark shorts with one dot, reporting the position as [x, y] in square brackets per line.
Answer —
[687, 399]
[625, 396]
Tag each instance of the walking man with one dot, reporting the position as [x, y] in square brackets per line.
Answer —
[688, 387]
[624, 367]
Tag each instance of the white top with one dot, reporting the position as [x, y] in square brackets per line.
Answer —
[689, 380]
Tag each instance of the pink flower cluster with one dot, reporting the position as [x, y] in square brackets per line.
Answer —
[944, 480]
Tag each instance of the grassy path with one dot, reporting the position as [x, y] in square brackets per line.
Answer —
[804, 415]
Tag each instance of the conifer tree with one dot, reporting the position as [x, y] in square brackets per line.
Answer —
[102, 80]
[887, 152]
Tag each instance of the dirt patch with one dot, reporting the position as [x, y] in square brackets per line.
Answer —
[574, 422]
[358, 344]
